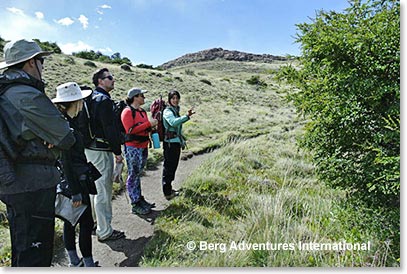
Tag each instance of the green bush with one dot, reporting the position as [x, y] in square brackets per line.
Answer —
[190, 72]
[255, 80]
[205, 81]
[350, 90]
[69, 60]
[125, 67]
[90, 64]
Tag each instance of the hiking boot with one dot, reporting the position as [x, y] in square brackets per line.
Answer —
[80, 264]
[139, 209]
[146, 204]
[114, 236]
[173, 194]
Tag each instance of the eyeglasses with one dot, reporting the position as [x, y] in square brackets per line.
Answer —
[141, 95]
[110, 77]
[40, 59]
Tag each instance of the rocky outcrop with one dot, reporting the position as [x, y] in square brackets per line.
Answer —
[221, 54]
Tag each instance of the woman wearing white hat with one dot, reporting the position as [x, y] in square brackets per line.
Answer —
[75, 167]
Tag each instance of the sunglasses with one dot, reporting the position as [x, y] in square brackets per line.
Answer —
[40, 59]
[110, 77]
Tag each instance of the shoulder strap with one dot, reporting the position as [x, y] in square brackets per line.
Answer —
[87, 113]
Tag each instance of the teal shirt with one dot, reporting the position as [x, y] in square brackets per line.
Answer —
[173, 123]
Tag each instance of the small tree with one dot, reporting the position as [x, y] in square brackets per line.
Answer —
[350, 90]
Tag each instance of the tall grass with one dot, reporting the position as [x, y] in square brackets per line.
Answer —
[255, 191]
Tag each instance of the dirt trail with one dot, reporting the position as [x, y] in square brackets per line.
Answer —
[139, 230]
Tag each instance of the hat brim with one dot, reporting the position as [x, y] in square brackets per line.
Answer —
[4, 64]
[84, 93]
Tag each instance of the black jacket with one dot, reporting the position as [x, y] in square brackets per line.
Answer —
[74, 161]
[104, 123]
[33, 122]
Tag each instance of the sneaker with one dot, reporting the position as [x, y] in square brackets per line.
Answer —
[114, 236]
[173, 194]
[80, 264]
[144, 203]
[139, 209]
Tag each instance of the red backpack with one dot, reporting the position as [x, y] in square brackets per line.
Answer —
[157, 109]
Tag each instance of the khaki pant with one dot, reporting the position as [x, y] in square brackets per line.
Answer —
[102, 202]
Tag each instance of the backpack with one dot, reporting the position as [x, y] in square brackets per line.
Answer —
[157, 110]
[128, 136]
[83, 121]
[119, 106]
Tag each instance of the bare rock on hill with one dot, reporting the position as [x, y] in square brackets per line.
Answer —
[221, 54]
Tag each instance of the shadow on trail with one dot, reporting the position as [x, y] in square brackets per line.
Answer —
[133, 249]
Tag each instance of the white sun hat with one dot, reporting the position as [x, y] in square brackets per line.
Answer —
[70, 92]
[16, 52]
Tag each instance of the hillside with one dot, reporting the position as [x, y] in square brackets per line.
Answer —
[221, 54]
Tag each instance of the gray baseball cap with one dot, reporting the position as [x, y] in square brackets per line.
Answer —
[19, 51]
[135, 91]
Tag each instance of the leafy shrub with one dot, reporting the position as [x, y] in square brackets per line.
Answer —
[48, 46]
[69, 60]
[144, 66]
[255, 80]
[190, 72]
[90, 64]
[205, 81]
[350, 88]
[98, 56]
[125, 67]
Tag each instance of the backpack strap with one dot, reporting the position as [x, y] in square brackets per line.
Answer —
[134, 137]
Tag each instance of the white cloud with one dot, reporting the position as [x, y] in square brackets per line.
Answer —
[17, 25]
[104, 6]
[75, 47]
[105, 50]
[16, 11]
[65, 21]
[39, 15]
[84, 21]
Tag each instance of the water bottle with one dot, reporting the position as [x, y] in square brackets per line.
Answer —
[156, 140]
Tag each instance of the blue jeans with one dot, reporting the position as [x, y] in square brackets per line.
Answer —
[31, 216]
[136, 159]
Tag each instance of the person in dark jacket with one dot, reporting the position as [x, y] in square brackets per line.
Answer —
[173, 141]
[76, 171]
[100, 152]
[39, 132]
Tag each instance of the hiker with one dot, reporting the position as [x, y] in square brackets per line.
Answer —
[173, 142]
[138, 128]
[99, 152]
[40, 132]
[76, 171]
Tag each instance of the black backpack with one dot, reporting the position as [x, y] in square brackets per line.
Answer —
[119, 106]
[83, 121]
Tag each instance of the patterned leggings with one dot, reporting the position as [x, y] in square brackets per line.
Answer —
[136, 159]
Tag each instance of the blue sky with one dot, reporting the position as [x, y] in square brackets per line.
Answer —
[155, 31]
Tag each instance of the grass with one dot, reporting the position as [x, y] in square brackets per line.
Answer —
[271, 196]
